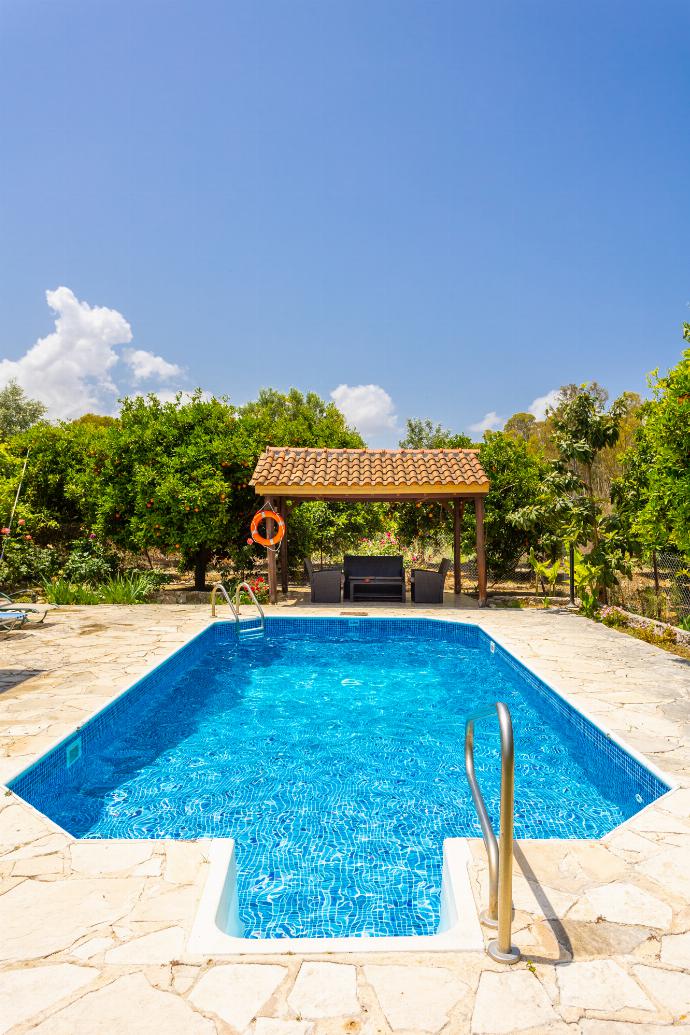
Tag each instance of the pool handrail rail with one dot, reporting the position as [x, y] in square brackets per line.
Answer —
[252, 596]
[218, 587]
[499, 853]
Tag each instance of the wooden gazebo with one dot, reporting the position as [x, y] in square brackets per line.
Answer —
[286, 476]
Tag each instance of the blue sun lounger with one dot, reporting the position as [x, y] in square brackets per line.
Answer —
[11, 619]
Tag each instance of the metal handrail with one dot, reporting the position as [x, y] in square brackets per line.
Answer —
[252, 597]
[500, 855]
[220, 588]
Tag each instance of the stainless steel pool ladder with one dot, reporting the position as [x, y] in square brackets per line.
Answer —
[220, 588]
[252, 596]
[500, 854]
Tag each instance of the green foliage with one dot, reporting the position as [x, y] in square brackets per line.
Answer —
[613, 617]
[547, 573]
[520, 425]
[582, 428]
[17, 411]
[515, 476]
[587, 579]
[424, 434]
[258, 585]
[425, 527]
[387, 544]
[174, 475]
[293, 419]
[59, 487]
[24, 563]
[132, 588]
[155, 577]
[569, 502]
[64, 592]
[333, 529]
[654, 492]
[135, 587]
[684, 623]
[91, 561]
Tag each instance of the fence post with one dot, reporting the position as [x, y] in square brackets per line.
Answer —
[657, 590]
[571, 551]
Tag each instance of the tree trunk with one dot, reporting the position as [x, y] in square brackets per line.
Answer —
[200, 564]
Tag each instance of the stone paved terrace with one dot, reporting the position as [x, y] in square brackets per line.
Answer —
[93, 935]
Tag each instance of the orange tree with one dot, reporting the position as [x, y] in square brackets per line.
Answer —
[55, 497]
[175, 475]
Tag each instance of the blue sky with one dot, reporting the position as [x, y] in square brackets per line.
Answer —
[464, 205]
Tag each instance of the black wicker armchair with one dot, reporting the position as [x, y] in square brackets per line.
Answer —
[426, 587]
[326, 584]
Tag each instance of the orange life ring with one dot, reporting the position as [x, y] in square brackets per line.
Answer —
[262, 515]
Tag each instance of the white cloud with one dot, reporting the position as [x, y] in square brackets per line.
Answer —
[146, 366]
[71, 369]
[489, 422]
[540, 404]
[369, 408]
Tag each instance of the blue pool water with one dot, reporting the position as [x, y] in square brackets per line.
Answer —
[332, 751]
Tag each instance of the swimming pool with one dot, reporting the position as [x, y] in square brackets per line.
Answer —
[332, 752]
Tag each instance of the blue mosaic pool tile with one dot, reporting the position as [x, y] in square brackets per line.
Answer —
[332, 751]
[51, 768]
[610, 758]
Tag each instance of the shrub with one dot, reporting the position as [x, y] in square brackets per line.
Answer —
[62, 591]
[25, 563]
[89, 560]
[155, 577]
[259, 588]
[134, 588]
[614, 618]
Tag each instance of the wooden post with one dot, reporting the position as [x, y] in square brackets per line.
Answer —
[272, 566]
[481, 550]
[457, 532]
[283, 511]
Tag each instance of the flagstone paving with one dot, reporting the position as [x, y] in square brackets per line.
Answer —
[93, 936]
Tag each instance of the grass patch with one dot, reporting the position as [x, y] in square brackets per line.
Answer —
[614, 618]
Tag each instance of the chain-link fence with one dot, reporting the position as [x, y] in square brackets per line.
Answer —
[519, 579]
[659, 588]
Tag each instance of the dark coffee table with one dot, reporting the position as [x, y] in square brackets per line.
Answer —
[378, 587]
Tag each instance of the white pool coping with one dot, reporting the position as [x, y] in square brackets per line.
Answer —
[458, 930]
[459, 927]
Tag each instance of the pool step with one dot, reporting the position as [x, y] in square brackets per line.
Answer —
[250, 629]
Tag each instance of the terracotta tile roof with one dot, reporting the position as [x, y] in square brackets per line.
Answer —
[379, 469]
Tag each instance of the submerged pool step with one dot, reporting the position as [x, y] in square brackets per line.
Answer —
[250, 629]
[295, 899]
